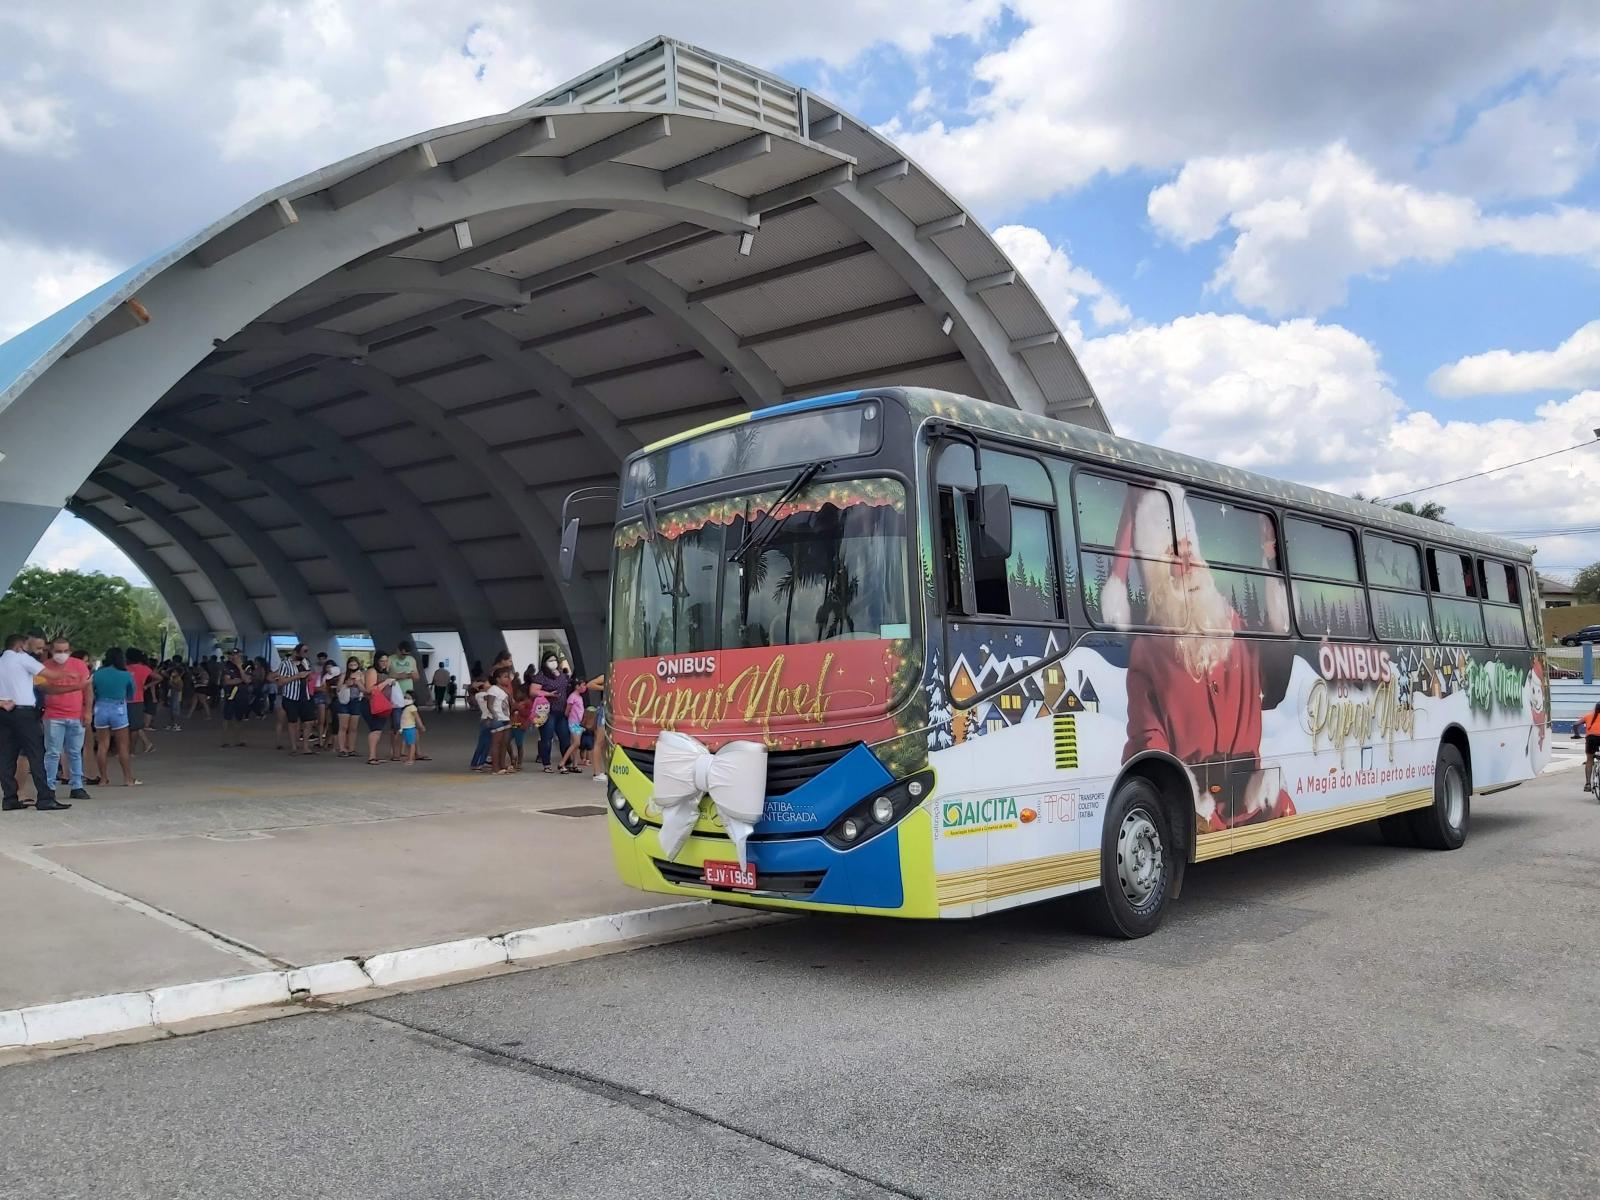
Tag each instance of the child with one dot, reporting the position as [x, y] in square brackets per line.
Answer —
[497, 708]
[588, 760]
[476, 698]
[410, 723]
[521, 715]
[574, 754]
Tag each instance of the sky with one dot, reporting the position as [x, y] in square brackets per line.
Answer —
[1344, 242]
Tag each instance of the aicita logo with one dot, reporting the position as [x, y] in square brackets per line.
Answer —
[980, 816]
[686, 664]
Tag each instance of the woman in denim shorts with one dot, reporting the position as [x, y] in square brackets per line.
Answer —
[114, 693]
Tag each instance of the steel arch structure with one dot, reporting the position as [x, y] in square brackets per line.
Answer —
[374, 384]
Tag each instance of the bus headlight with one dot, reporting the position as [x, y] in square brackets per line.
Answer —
[883, 809]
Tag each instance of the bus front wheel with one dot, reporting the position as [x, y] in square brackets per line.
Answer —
[1137, 863]
[1443, 824]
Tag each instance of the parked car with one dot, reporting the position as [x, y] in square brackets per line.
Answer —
[1589, 633]
[1563, 673]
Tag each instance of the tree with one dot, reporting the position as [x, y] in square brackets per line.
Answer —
[1429, 510]
[94, 610]
[1586, 584]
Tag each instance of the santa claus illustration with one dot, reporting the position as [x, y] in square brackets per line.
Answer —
[1196, 695]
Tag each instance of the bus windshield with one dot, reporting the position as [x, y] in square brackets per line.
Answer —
[833, 568]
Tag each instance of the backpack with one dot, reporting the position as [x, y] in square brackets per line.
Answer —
[541, 710]
[379, 701]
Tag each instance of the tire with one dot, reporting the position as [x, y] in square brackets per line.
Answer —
[1569, 641]
[1397, 831]
[1137, 864]
[1443, 824]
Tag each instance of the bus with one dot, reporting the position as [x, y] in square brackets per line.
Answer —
[904, 653]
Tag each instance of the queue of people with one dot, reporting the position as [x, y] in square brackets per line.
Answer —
[567, 714]
[64, 719]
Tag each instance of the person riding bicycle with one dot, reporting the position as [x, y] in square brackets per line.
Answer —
[1591, 743]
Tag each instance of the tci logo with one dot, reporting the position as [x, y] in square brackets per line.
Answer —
[686, 664]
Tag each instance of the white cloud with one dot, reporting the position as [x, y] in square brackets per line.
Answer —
[1304, 224]
[1572, 365]
[1310, 402]
[74, 544]
[36, 280]
[1539, 143]
[1060, 283]
[34, 123]
[1095, 86]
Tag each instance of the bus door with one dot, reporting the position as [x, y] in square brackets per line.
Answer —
[998, 635]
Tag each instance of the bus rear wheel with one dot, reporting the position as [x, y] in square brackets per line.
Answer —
[1443, 824]
[1137, 863]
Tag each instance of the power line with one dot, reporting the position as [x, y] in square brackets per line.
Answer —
[1490, 471]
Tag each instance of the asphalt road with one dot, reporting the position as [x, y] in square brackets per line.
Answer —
[1329, 1018]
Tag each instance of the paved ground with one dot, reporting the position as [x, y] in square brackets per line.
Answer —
[258, 858]
[1331, 1018]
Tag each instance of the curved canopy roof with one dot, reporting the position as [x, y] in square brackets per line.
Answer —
[358, 401]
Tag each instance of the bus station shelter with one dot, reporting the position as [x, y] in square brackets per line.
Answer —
[354, 406]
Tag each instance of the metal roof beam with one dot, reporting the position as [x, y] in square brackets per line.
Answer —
[508, 145]
[519, 239]
[1029, 343]
[984, 283]
[598, 325]
[815, 263]
[661, 239]
[581, 406]
[310, 621]
[848, 317]
[626, 141]
[811, 185]
[475, 619]
[704, 330]
[339, 308]
[468, 445]
[243, 613]
[265, 221]
[163, 578]
[932, 229]
[397, 168]
[744, 151]
[834, 383]
[364, 582]
[263, 335]
[888, 173]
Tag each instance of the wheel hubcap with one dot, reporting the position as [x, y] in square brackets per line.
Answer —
[1455, 798]
[1139, 861]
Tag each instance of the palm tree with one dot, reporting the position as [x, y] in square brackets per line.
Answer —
[1428, 510]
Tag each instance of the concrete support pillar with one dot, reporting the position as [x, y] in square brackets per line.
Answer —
[21, 527]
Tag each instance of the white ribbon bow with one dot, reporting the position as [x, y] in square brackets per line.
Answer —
[735, 777]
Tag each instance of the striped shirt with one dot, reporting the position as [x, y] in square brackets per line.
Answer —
[293, 689]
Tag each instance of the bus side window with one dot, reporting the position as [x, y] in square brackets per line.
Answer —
[952, 554]
[1502, 611]
[1457, 616]
[1022, 586]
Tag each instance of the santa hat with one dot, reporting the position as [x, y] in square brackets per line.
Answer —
[1115, 609]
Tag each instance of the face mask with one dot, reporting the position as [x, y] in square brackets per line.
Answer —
[61, 658]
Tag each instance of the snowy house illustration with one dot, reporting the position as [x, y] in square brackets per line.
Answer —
[991, 718]
[1070, 703]
[1090, 697]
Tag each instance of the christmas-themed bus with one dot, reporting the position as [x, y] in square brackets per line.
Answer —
[904, 653]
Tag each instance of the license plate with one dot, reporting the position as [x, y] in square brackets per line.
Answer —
[729, 875]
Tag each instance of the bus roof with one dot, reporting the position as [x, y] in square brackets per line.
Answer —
[1125, 452]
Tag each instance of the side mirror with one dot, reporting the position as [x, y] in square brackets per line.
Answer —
[994, 521]
[569, 549]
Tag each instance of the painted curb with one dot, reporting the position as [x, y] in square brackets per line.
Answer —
[186, 1001]
[446, 958]
[75, 1020]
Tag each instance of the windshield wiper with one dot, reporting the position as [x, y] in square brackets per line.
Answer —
[667, 577]
[760, 532]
